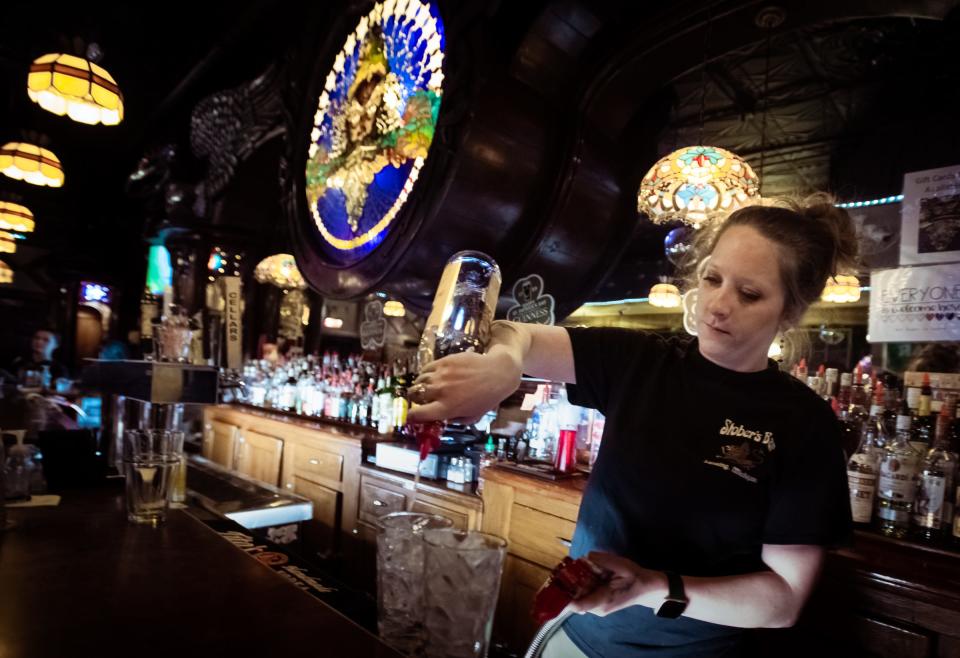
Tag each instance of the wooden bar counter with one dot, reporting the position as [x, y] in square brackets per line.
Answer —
[78, 580]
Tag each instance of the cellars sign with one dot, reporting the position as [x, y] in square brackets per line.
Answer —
[915, 304]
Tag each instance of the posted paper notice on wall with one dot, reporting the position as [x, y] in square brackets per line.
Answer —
[915, 304]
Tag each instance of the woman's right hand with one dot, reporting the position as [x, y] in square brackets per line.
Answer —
[463, 387]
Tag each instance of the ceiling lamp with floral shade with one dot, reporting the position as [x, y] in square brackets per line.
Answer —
[696, 185]
[280, 270]
[30, 163]
[6, 273]
[14, 217]
[841, 289]
[75, 87]
[8, 244]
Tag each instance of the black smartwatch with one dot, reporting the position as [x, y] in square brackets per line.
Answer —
[676, 600]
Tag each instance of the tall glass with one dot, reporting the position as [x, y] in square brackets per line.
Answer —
[461, 581]
[149, 460]
[400, 578]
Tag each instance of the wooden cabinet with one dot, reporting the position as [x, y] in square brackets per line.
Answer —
[220, 442]
[383, 492]
[259, 456]
[537, 518]
[520, 582]
[307, 457]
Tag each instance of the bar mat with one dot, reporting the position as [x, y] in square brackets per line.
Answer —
[49, 500]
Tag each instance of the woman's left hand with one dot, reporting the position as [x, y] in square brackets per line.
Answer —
[630, 585]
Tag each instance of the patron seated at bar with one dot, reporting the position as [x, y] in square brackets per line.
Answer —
[720, 479]
[42, 346]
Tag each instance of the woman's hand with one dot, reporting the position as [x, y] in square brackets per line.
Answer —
[463, 387]
[630, 585]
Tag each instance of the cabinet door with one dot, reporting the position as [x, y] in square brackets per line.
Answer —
[377, 500]
[325, 501]
[461, 520]
[260, 456]
[220, 443]
[514, 622]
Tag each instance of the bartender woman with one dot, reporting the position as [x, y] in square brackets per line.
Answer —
[720, 480]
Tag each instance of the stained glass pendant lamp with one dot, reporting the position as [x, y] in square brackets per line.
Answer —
[14, 217]
[31, 163]
[841, 289]
[280, 270]
[696, 185]
[75, 87]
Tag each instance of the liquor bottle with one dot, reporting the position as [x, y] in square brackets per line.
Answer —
[897, 485]
[149, 311]
[385, 394]
[862, 470]
[874, 425]
[891, 406]
[831, 377]
[933, 509]
[923, 427]
[802, 370]
[400, 403]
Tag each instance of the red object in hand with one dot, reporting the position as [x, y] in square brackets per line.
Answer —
[428, 436]
[569, 580]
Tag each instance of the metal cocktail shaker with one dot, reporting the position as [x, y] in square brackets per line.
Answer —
[463, 307]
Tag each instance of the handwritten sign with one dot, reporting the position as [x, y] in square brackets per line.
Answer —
[533, 306]
[915, 304]
[233, 321]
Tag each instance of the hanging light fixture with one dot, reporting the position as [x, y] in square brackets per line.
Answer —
[8, 244]
[14, 217]
[664, 295]
[280, 270]
[30, 163]
[841, 289]
[76, 87]
[6, 273]
[394, 309]
[697, 184]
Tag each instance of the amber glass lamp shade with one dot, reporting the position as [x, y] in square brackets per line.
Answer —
[664, 295]
[14, 217]
[696, 185]
[7, 244]
[394, 309]
[280, 270]
[75, 87]
[30, 163]
[841, 289]
[6, 273]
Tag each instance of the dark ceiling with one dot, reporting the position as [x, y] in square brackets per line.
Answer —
[165, 58]
[848, 107]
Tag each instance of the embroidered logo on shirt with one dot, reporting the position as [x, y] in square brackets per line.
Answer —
[742, 457]
[730, 428]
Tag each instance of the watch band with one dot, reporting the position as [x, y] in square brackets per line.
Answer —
[675, 585]
[676, 600]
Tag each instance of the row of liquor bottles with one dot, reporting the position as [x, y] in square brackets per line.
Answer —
[902, 474]
[346, 389]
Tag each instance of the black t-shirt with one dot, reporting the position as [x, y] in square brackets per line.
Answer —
[699, 467]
